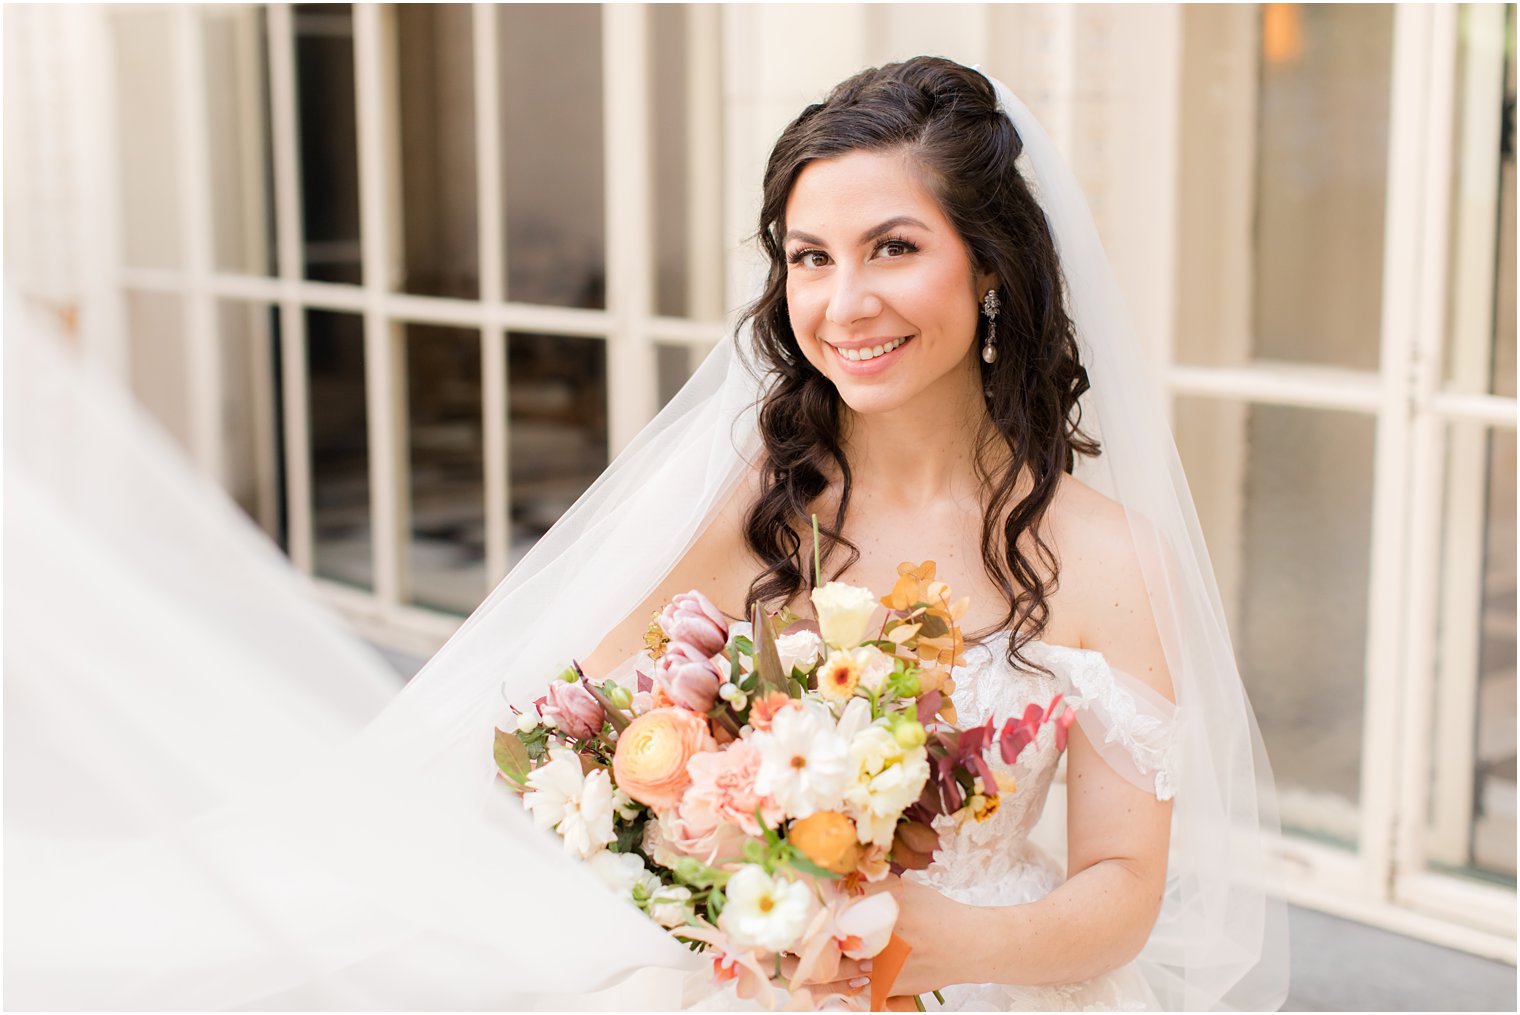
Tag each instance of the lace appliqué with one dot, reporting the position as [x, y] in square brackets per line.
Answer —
[1150, 740]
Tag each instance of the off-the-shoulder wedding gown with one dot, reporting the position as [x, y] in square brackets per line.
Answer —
[994, 862]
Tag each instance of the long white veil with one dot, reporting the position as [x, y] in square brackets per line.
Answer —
[207, 805]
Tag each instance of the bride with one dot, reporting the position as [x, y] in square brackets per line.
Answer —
[926, 382]
[916, 374]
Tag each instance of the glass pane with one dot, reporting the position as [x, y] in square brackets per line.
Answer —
[1310, 215]
[439, 239]
[674, 365]
[551, 106]
[1285, 499]
[1494, 821]
[329, 142]
[447, 444]
[147, 144]
[156, 330]
[667, 65]
[250, 411]
[238, 137]
[557, 428]
[339, 447]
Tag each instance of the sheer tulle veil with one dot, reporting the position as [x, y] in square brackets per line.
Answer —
[213, 801]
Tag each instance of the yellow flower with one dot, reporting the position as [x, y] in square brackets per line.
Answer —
[839, 676]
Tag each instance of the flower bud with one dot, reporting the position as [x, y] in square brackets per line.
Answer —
[619, 696]
[910, 734]
[692, 618]
[528, 721]
[910, 685]
[574, 710]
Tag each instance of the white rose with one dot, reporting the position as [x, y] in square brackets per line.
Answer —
[844, 612]
[800, 649]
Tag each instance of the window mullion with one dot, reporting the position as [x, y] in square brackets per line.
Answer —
[493, 339]
[625, 99]
[1384, 739]
[202, 340]
[295, 395]
[384, 346]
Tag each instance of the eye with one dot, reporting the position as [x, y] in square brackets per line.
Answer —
[806, 257]
[896, 247]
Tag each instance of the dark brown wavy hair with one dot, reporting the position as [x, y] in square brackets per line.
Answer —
[946, 118]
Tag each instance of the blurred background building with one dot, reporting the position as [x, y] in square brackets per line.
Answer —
[404, 278]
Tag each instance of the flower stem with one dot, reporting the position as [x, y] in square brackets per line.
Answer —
[817, 566]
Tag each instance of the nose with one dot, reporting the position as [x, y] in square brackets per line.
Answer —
[852, 299]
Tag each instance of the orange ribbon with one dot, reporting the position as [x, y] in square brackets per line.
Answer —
[884, 969]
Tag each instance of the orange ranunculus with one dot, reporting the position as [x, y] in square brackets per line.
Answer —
[650, 762]
[827, 838]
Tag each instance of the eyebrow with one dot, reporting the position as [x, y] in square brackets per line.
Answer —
[865, 237]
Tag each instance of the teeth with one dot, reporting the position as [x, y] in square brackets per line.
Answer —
[860, 355]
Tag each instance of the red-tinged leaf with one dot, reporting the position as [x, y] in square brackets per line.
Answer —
[1014, 739]
[989, 781]
[928, 706]
[644, 683]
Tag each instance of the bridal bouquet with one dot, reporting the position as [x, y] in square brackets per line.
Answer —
[745, 793]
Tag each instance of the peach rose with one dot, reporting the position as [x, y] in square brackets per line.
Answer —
[650, 761]
[827, 838]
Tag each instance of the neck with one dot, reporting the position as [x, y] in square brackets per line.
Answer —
[924, 450]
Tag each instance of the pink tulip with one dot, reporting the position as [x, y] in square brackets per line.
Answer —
[574, 711]
[688, 676]
[691, 617]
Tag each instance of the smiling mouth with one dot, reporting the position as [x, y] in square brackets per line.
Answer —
[866, 355]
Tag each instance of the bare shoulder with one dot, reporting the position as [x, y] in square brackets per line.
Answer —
[717, 562]
[1103, 579]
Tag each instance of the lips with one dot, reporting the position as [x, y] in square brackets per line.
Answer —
[877, 363]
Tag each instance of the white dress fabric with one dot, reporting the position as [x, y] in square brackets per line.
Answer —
[994, 862]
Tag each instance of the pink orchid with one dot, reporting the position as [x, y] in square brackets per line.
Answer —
[856, 929]
[732, 963]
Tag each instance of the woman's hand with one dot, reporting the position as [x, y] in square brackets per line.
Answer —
[852, 978]
[945, 936]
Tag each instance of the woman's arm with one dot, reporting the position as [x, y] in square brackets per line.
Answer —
[1117, 833]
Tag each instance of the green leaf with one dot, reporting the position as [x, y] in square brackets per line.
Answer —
[798, 860]
[512, 758]
[767, 659]
[744, 645]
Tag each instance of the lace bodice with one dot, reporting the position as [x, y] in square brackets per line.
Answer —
[993, 862]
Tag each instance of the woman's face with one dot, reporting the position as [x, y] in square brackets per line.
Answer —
[876, 270]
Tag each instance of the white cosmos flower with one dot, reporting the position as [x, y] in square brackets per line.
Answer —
[765, 912]
[804, 762]
[799, 649]
[886, 779]
[577, 806]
